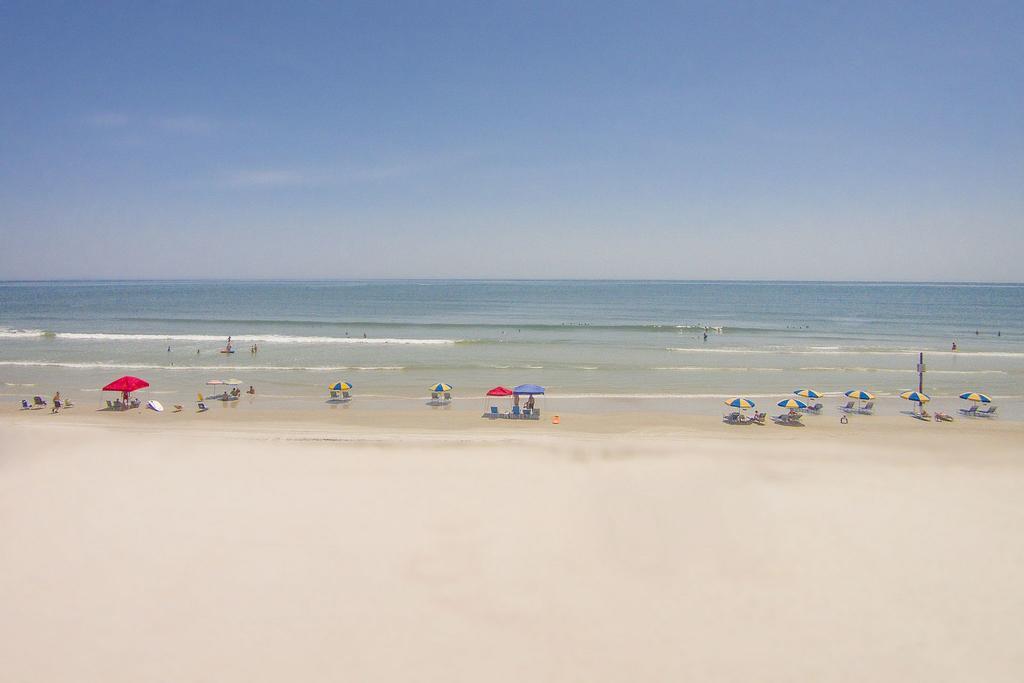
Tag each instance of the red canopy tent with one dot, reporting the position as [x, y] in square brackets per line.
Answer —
[500, 392]
[126, 385]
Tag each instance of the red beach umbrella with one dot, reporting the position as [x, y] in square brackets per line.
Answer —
[499, 391]
[126, 384]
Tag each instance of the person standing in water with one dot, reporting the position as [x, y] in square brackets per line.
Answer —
[954, 344]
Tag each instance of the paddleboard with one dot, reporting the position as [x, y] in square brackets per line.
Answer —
[155, 405]
[226, 351]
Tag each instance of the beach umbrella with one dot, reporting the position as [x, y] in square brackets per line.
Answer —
[215, 382]
[739, 402]
[915, 396]
[791, 403]
[340, 386]
[232, 382]
[441, 387]
[860, 394]
[126, 384]
[528, 389]
[500, 391]
[976, 397]
[807, 393]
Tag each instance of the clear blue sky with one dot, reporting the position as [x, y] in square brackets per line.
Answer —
[549, 139]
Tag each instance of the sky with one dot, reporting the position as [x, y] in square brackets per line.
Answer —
[699, 140]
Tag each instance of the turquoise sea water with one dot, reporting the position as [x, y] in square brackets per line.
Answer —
[602, 344]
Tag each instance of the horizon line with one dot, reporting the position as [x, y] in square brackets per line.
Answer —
[505, 279]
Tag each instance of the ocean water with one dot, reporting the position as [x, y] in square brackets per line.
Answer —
[596, 345]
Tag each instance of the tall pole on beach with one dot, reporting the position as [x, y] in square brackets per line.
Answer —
[920, 373]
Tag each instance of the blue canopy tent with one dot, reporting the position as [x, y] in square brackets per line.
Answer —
[531, 390]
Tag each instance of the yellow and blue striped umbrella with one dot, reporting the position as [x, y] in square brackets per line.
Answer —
[807, 393]
[791, 403]
[440, 387]
[976, 397]
[739, 402]
[915, 396]
[860, 394]
[340, 386]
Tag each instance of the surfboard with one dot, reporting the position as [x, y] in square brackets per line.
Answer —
[155, 405]
[226, 351]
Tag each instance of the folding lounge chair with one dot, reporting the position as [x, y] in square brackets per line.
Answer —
[848, 408]
[815, 409]
[447, 396]
[39, 401]
[868, 409]
[25, 405]
[969, 412]
[202, 407]
[988, 412]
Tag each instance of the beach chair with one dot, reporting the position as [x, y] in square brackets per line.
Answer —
[758, 419]
[988, 412]
[345, 396]
[68, 403]
[969, 412]
[527, 413]
[202, 407]
[516, 414]
[110, 404]
[814, 410]
[493, 414]
[433, 397]
[943, 417]
[868, 409]
[39, 401]
[25, 405]
[848, 408]
[447, 396]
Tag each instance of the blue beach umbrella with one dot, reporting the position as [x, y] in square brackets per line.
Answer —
[340, 386]
[976, 397]
[807, 393]
[916, 396]
[791, 403]
[441, 387]
[740, 402]
[528, 389]
[860, 394]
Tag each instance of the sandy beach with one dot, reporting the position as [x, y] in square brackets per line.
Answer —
[258, 546]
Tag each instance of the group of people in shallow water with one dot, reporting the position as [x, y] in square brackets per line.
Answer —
[999, 333]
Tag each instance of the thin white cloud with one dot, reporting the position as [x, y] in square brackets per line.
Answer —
[108, 119]
[185, 124]
[245, 178]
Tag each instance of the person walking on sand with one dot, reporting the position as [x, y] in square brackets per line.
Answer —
[56, 403]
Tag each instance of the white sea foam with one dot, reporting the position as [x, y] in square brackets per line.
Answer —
[144, 366]
[820, 351]
[246, 338]
[690, 368]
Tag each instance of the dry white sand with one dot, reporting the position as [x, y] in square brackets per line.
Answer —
[142, 548]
